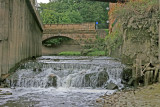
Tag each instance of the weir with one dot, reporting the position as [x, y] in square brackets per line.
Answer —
[58, 81]
[68, 72]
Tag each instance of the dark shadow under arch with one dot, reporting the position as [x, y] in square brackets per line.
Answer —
[58, 40]
[70, 45]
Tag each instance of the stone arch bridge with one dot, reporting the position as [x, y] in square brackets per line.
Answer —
[82, 33]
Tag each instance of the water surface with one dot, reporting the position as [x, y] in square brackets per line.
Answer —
[73, 88]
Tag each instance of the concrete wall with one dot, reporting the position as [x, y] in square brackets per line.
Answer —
[20, 33]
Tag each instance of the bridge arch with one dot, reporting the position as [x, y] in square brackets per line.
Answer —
[75, 37]
[66, 45]
[61, 39]
[55, 36]
[82, 34]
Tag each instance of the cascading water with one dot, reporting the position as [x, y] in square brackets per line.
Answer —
[80, 76]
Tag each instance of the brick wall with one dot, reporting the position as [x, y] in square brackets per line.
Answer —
[83, 26]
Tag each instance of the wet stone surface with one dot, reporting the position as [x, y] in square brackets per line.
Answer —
[5, 92]
[148, 96]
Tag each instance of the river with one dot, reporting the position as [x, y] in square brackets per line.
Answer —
[59, 81]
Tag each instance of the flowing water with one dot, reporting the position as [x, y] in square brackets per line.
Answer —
[57, 81]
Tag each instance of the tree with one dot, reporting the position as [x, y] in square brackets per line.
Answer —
[74, 11]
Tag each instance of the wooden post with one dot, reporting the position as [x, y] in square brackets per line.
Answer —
[146, 78]
[155, 75]
[134, 76]
[151, 77]
[136, 71]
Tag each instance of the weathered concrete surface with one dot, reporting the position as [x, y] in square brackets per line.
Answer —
[20, 33]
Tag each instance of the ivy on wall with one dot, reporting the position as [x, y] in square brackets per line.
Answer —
[137, 23]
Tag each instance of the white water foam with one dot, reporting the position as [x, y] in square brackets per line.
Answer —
[75, 79]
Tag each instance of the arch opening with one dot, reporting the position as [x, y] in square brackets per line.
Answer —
[58, 40]
[58, 44]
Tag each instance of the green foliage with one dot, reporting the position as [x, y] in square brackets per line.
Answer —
[97, 48]
[137, 19]
[139, 7]
[75, 53]
[70, 53]
[99, 43]
[74, 11]
[107, 31]
[56, 41]
[96, 53]
[133, 15]
[113, 41]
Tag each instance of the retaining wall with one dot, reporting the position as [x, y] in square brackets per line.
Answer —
[20, 33]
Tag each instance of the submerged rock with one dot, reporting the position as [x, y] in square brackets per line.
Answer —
[99, 100]
[100, 79]
[5, 93]
[57, 60]
[8, 93]
[126, 74]
[111, 86]
[52, 80]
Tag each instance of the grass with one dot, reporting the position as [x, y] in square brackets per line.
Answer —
[70, 53]
[76, 53]
[96, 53]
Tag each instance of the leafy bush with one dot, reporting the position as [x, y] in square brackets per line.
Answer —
[107, 31]
[113, 41]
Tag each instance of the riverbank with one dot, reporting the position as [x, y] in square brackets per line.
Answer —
[148, 96]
